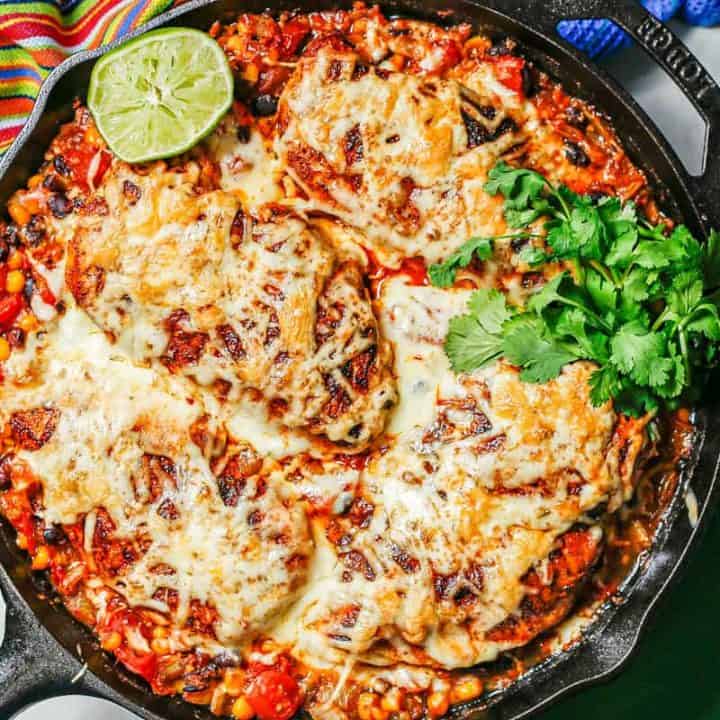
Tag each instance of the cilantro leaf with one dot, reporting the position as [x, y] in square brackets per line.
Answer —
[588, 232]
[605, 384]
[469, 346]
[547, 294]
[642, 301]
[490, 308]
[518, 186]
[685, 293]
[641, 354]
[601, 291]
[443, 274]
[531, 255]
[528, 345]
[705, 320]
[475, 340]
[573, 323]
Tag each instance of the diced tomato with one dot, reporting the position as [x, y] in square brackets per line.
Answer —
[142, 664]
[103, 165]
[334, 42]
[274, 695]
[46, 294]
[509, 70]
[10, 308]
[79, 160]
[451, 56]
[293, 33]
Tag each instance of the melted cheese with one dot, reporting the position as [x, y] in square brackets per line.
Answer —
[440, 502]
[409, 180]
[184, 278]
[111, 414]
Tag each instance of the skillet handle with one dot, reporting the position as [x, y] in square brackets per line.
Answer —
[32, 664]
[675, 58]
[694, 80]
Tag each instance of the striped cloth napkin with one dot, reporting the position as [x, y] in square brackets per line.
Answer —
[37, 36]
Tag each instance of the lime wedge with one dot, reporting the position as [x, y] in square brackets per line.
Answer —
[160, 94]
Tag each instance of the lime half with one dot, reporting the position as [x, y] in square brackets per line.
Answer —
[160, 94]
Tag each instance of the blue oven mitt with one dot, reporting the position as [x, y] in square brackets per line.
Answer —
[598, 38]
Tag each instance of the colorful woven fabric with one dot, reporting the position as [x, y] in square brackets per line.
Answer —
[36, 36]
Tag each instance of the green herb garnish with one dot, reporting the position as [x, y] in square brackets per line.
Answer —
[641, 302]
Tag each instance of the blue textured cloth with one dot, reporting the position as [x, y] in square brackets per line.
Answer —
[598, 38]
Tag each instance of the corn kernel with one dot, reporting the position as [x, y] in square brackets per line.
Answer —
[112, 641]
[92, 136]
[15, 281]
[22, 541]
[478, 42]
[34, 181]
[28, 322]
[242, 709]
[41, 559]
[251, 73]
[18, 213]
[391, 700]
[4, 349]
[199, 697]
[159, 646]
[368, 705]
[160, 632]
[438, 704]
[219, 702]
[235, 43]
[466, 689]
[234, 682]
[15, 261]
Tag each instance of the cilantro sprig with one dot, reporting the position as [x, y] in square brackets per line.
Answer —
[640, 301]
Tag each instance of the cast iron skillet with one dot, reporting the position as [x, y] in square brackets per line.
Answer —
[41, 650]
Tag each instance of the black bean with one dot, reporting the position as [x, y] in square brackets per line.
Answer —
[60, 205]
[518, 243]
[576, 117]
[243, 134]
[53, 183]
[28, 289]
[575, 154]
[60, 165]
[10, 235]
[478, 134]
[35, 230]
[359, 70]
[264, 105]
[54, 535]
[41, 583]
[598, 511]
